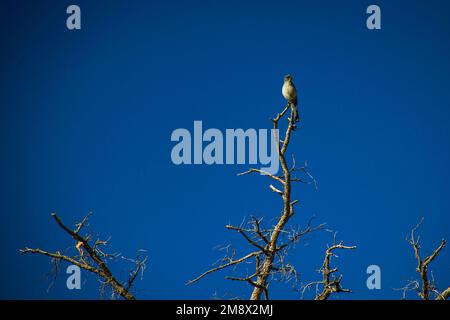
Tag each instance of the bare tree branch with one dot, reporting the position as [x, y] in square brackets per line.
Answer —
[231, 263]
[444, 295]
[262, 172]
[94, 261]
[330, 283]
[427, 286]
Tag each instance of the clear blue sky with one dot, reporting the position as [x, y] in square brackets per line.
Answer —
[86, 118]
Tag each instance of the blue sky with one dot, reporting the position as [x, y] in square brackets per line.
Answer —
[86, 119]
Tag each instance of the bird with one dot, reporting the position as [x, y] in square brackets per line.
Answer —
[79, 247]
[290, 94]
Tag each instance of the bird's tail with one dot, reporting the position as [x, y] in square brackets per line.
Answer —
[295, 113]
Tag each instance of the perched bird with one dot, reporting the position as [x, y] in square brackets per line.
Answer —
[290, 94]
[79, 247]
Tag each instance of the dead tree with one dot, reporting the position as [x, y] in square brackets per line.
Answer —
[330, 283]
[426, 286]
[92, 257]
[271, 243]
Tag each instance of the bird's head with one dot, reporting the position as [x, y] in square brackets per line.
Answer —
[288, 78]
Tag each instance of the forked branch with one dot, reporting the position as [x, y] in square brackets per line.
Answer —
[427, 286]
